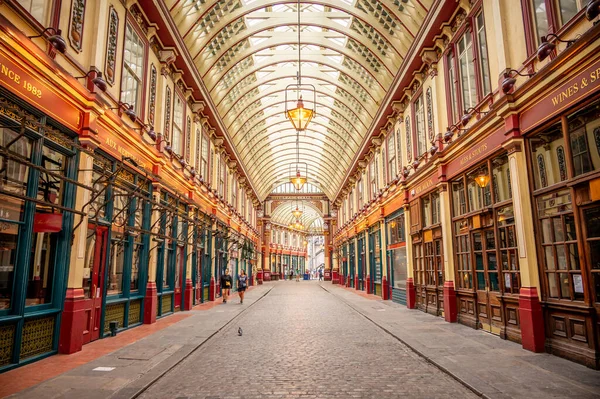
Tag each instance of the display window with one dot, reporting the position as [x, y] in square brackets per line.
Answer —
[486, 255]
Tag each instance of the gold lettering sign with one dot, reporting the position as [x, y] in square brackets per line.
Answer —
[110, 142]
[473, 154]
[574, 88]
[427, 184]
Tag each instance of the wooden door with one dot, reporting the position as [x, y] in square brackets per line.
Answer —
[179, 273]
[591, 218]
[489, 308]
[93, 282]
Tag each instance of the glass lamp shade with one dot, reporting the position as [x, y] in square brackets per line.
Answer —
[482, 179]
[300, 116]
[297, 213]
[298, 181]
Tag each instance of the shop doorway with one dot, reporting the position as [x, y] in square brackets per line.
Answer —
[591, 216]
[93, 280]
[489, 308]
[434, 278]
[352, 265]
[179, 277]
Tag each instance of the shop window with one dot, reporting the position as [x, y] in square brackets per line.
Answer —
[133, 69]
[38, 9]
[41, 268]
[583, 129]
[177, 139]
[8, 257]
[592, 223]
[117, 259]
[90, 252]
[463, 256]
[478, 197]
[399, 267]
[509, 262]
[419, 263]
[426, 210]
[546, 144]
[435, 208]
[13, 174]
[51, 187]
[204, 162]
[458, 198]
[559, 246]
[391, 149]
[420, 126]
[396, 230]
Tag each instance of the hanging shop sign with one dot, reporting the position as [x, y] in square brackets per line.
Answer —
[37, 92]
[47, 222]
[561, 98]
[476, 153]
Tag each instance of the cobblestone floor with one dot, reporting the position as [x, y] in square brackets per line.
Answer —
[303, 342]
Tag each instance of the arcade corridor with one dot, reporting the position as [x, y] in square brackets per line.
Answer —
[323, 341]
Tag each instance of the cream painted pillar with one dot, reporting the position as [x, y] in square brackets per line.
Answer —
[367, 265]
[150, 300]
[530, 310]
[450, 304]
[78, 248]
[410, 282]
[355, 266]
[189, 248]
[74, 318]
[385, 280]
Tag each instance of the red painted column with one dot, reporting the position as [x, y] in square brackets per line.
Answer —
[411, 293]
[150, 303]
[211, 289]
[532, 320]
[188, 299]
[73, 322]
[349, 281]
[335, 277]
[385, 292]
[369, 290]
[450, 305]
[356, 282]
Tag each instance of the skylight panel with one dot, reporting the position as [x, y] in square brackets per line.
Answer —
[254, 21]
[338, 40]
[345, 22]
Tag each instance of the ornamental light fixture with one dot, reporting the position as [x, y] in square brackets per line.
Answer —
[509, 79]
[128, 110]
[296, 178]
[592, 9]
[482, 179]
[546, 48]
[56, 40]
[297, 212]
[98, 81]
[300, 116]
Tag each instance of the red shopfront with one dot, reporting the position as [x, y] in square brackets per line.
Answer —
[562, 135]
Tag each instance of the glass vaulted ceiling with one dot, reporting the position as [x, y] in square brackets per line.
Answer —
[246, 51]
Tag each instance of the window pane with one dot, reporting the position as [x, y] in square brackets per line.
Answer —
[37, 8]
[8, 257]
[584, 133]
[115, 272]
[552, 285]
[13, 173]
[483, 55]
[133, 57]
[41, 268]
[547, 149]
[420, 125]
[568, 9]
[540, 18]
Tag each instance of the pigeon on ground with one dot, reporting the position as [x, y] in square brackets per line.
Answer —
[240, 332]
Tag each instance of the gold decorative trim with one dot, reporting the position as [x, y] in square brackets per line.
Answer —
[114, 312]
[7, 342]
[37, 337]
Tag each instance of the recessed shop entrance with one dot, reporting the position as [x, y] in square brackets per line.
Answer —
[93, 280]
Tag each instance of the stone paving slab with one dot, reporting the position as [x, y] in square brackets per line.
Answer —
[301, 342]
[157, 354]
[491, 366]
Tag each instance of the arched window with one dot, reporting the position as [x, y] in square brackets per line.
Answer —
[542, 169]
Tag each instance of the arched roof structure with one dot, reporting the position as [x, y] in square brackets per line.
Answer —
[311, 218]
[247, 53]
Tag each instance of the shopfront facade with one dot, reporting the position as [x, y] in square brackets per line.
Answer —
[396, 253]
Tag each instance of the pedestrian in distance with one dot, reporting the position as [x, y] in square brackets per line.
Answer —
[297, 275]
[242, 285]
[226, 283]
[291, 275]
[320, 275]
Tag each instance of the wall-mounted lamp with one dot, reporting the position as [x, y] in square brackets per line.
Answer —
[509, 79]
[150, 130]
[98, 81]
[56, 40]
[592, 10]
[546, 48]
[466, 118]
[128, 110]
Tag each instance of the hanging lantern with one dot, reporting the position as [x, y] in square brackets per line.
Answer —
[482, 179]
[300, 116]
[297, 212]
[298, 180]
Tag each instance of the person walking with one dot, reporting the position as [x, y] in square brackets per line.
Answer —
[320, 275]
[242, 284]
[297, 275]
[226, 283]
[291, 274]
